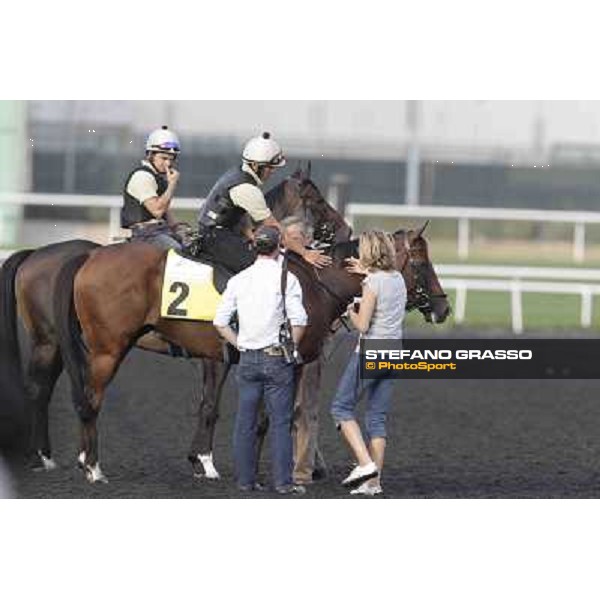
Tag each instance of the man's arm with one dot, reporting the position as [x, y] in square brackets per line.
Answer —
[313, 257]
[362, 319]
[295, 309]
[227, 333]
[252, 200]
[297, 333]
[159, 206]
[225, 310]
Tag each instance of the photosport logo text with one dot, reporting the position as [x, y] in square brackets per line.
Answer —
[480, 359]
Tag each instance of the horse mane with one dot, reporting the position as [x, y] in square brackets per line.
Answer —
[343, 250]
[275, 194]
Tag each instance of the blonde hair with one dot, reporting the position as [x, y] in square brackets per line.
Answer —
[376, 250]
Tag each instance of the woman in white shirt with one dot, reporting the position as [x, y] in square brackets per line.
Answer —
[380, 316]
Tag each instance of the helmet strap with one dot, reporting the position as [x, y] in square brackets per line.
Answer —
[259, 170]
[150, 155]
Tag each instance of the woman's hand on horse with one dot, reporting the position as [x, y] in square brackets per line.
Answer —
[353, 266]
[317, 258]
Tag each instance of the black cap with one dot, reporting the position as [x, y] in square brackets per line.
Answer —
[266, 239]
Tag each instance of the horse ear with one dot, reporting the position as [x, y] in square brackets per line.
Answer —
[422, 229]
[308, 169]
[297, 174]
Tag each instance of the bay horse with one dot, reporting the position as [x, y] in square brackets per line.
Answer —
[28, 281]
[104, 302]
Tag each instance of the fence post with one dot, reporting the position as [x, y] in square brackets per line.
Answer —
[516, 307]
[114, 225]
[338, 192]
[461, 302]
[586, 306]
[579, 242]
[463, 238]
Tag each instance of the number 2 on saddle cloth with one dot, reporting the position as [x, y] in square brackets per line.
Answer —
[191, 289]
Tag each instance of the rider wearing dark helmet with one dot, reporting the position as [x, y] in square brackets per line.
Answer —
[237, 195]
[149, 190]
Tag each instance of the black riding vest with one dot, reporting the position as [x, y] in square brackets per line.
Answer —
[219, 208]
[133, 210]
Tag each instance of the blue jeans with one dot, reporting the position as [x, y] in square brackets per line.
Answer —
[270, 377]
[379, 393]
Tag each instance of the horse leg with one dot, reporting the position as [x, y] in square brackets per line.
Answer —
[45, 366]
[102, 367]
[201, 449]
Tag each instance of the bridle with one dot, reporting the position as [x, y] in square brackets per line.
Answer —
[422, 297]
[324, 231]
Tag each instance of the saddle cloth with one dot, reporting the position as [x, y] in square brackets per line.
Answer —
[191, 289]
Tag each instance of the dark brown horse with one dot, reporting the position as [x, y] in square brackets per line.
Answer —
[103, 306]
[27, 285]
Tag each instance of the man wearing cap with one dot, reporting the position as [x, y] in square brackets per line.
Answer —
[263, 372]
[149, 189]
[236, 195]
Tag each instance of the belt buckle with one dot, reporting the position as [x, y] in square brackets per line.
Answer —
[273, 351]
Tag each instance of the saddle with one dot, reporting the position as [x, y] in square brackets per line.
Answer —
[221, 274]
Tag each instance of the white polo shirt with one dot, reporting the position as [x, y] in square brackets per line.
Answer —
[255, 293]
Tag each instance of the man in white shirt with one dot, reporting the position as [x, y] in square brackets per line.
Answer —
[255, 294]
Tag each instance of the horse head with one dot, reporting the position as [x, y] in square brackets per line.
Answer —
[423, 287]
[298, 195]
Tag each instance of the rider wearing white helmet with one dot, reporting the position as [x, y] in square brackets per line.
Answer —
[237, 194]
[149, 189]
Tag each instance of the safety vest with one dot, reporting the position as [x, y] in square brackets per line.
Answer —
[219, 209]
[133, 210]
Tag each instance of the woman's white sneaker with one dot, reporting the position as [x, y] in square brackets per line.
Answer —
[360, 474]
[367, 489]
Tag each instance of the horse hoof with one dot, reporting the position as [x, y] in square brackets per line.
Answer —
[94, 474]
[48, 464]
[208, 470]
[42, 464]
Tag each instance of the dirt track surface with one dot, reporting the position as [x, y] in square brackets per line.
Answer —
[447, 439]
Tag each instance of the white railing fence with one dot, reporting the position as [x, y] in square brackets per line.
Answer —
[112, 203]
[516, 290]
[517, 281]
[514, 280]
[464, 215]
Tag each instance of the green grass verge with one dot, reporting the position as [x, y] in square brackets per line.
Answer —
[492, 310]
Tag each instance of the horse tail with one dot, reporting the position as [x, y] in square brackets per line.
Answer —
[12, 407]
[69, 334]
